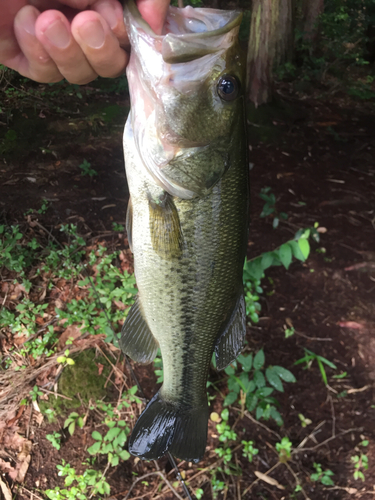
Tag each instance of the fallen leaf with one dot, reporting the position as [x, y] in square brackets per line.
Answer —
[23, 460]
[72, 332]
[7, 493]
[100, 368]
[268, 480]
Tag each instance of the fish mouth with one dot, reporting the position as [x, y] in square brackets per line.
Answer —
[189, 33]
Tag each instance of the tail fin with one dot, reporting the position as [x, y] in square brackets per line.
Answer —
[165, 426]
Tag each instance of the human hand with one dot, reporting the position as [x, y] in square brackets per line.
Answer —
[48, 40]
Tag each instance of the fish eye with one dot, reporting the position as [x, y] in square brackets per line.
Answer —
[228, 87]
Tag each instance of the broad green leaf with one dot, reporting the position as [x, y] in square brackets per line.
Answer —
[97, 436]
[229, 370]
[259, 379]
[94, 448]
[259, 413]
[71, 428]
[112, 433]
[246, 361]
[267, 259]
[304, 246]
[233, 385]
[259, 360]
[274, 379]
[125, 455]
[285, 255]
[230, 399]
[276, 416]
[264, 392]
[251, 401]
[296, 250]
[284, 374]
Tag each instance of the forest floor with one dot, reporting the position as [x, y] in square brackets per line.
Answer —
[63, 164]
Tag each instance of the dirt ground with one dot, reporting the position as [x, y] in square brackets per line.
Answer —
[317, 153]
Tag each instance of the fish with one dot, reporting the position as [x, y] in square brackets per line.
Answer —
[186, 164]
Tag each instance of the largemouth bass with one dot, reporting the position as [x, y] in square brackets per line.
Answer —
[186, 166]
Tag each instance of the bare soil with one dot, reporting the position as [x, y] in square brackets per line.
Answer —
[317, 153]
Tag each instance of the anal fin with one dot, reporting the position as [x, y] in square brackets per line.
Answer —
[136, 340]
[230, 342]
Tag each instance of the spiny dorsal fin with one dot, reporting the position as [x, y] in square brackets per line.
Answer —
[165, 228]
[137, 340]
[230, 342]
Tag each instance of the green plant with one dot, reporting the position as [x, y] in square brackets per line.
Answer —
[254, 269]
[248, 450]
[360, 463]
[250, 385]
[81, 487]
[113, 441]
[73, 420]
[310, 357]
[284, 449]
[86, 169]
[55, 439]
[35, 393]
[269, 207]
[321, 476]
[199, 493]
[304, 421]
[65, 360]
[118, 227]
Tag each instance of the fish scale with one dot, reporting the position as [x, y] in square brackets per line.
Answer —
[188, 226]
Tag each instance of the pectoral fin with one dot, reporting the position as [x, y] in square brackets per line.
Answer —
[165, 228]
[129, 223]
[137, 340]
[230, 343]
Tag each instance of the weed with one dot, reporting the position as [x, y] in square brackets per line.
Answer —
[310, 357]
[55, 439]
[289, 332]
[304, 421]
[82, 486]
[254, 269]
[86, 169]
[248, 450]
[65, 360]
[269, 207]
[321, 476]
[360, 463]
[118, 227]
[250, 385]
[284, 449]
[73, 420]
[35, 393]
[112, 443]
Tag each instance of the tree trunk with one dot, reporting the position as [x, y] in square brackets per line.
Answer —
[311, 9]
[270, 44]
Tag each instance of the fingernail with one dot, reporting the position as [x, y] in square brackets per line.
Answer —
[58, 34]
[27, 19]
[110, 16]
[92, 33]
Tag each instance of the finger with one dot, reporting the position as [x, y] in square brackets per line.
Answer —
[99, 44]
[32, 59]
[154, 12]
[113, 12]
[54, 33]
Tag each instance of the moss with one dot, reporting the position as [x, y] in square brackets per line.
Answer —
[79, 379]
